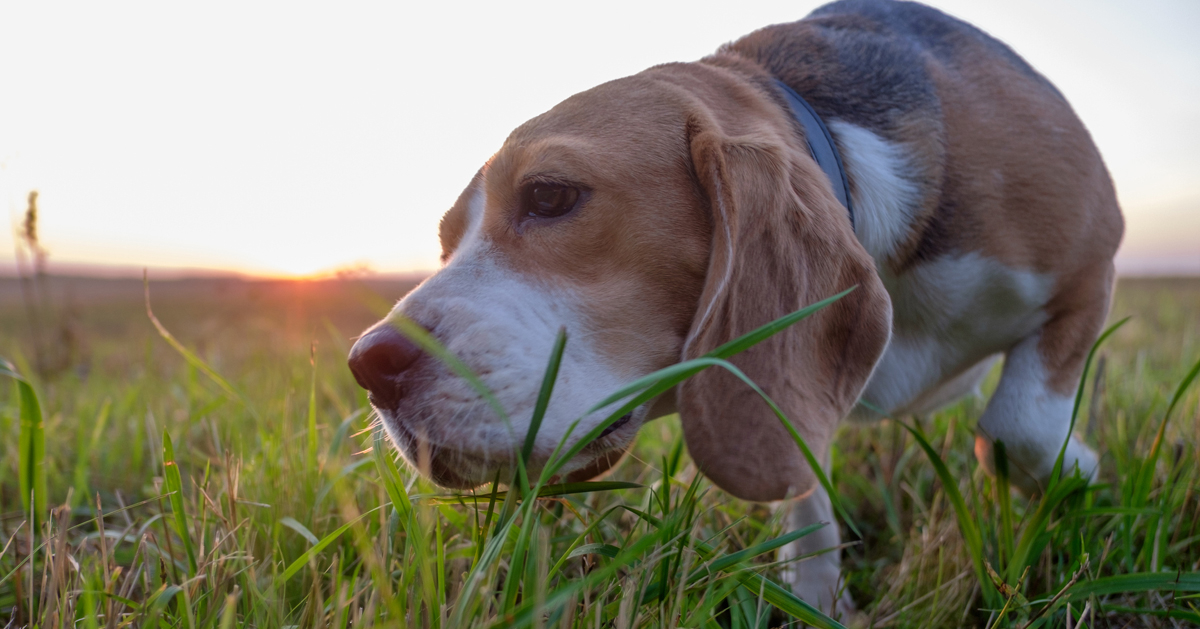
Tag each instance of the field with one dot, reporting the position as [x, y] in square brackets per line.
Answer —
[239, 482]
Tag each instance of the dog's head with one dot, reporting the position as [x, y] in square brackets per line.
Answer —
[654, 218]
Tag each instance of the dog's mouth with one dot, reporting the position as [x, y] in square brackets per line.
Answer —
[617, 424]
[458, 469]
[431, 458]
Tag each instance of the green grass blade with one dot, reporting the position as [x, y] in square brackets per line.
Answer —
[409, 519]
[543, 399]
[560, 489]
[87, 602]
[1146, 476]
[660, 381]
[302, 560]
[516, 579]
[440, 566]
[491, 553]
[578, 541]
[606, 550]
[684, 370]
[813, 463]
[966, 524]
[83, 458]
[482, 532]
[787, 602]
[419, 335]
[740, 344]
[1178, 614]
[746, 341]
[31, 447]
[291, 523]
[724, 563]
[313, 440]
[713, 597]
[776, 595]
[1180, 390]
[772, 592]
[733, 559]
[1103, 511]
[1056, 472]
[390, 474]
[229, 612]
[1004, 501]
[160, 599]
[1136, 582]
[174, 484]
[524, 615]
[667, 378]
[1036, 525]
[675, 373]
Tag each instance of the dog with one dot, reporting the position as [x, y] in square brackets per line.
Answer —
[658, 216]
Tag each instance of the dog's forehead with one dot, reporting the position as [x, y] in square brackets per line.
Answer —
[640, 101]
[627, 121]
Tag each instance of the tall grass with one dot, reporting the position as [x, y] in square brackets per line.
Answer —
[239, 485]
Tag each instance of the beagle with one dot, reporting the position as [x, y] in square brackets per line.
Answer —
[660, 215]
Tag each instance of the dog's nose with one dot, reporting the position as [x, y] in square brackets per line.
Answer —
[378, 360]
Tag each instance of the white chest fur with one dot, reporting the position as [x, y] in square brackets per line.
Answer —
[950, 315]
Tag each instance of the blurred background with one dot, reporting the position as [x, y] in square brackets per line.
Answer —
[292, 140]
[280, 170]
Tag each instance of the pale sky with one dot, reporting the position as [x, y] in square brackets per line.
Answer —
[289, 138]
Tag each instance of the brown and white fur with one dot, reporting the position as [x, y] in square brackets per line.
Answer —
[986, 225]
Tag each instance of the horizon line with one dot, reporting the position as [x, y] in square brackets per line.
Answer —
[10, 270]
[1127, 266]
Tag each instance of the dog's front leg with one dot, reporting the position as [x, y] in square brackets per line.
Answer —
[817, 578]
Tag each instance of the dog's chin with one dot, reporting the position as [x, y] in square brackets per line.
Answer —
[446, 467]
[455, 468]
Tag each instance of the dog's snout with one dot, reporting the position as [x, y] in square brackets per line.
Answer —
[378, 360]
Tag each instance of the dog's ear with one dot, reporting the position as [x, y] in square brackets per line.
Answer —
[781, 241]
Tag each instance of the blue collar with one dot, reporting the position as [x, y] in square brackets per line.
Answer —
[821, 145]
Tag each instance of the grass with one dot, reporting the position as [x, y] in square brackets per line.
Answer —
[236, 480]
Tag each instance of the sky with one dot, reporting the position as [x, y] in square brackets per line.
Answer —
[297, 138]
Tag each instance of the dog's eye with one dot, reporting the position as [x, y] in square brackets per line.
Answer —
[548, 200]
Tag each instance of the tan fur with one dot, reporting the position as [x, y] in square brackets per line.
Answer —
[1032, 189]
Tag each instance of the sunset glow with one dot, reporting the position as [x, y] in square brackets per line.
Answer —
[290, 140]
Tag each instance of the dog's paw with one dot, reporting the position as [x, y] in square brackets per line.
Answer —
[1030, 466]
[819, 583]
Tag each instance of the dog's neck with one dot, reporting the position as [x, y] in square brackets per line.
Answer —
[820, 145]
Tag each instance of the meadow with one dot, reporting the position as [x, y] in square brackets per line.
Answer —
[222, 469]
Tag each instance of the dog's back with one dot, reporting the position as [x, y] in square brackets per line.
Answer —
[995, 159]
